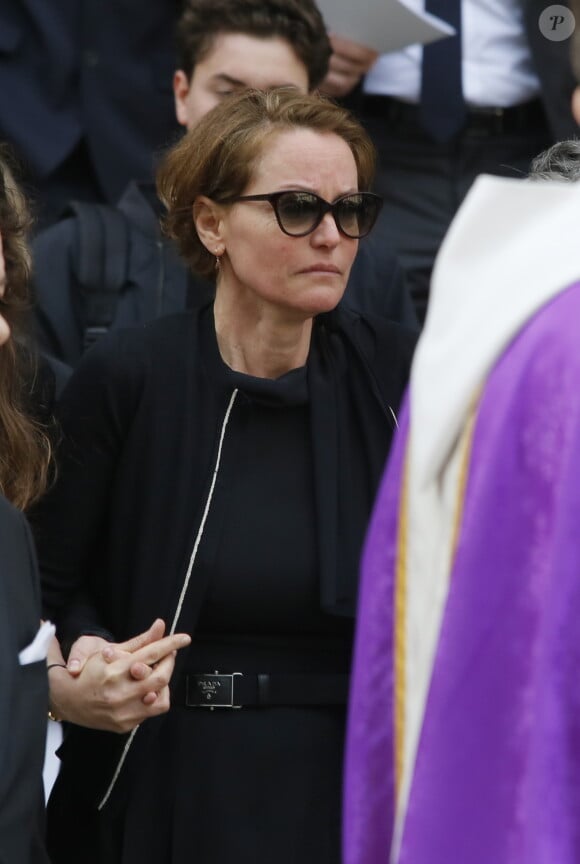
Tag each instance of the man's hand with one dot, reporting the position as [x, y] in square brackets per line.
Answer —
[576, 105]
[349, 61]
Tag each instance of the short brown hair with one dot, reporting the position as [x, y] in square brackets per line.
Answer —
[297, 21]
[25, 449]
[217, 157]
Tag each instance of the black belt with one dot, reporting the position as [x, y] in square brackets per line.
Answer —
[478, 122]
[237, 690]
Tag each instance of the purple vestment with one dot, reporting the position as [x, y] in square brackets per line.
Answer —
[497, 775]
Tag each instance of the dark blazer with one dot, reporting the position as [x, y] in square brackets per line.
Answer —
[553, 66]
[74, 68]
[24, 700]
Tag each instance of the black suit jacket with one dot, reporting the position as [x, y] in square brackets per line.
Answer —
[24, 699]
[92, 68]
[553, 66]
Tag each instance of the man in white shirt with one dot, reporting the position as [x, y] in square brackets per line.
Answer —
[516, 85]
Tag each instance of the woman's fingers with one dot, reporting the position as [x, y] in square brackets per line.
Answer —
[155, 652]
[81, 650]
[152, 665]
[107, 697]
[157, 676]
[119, 689]
[153, 634]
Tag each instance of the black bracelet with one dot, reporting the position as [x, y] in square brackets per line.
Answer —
[52, 716]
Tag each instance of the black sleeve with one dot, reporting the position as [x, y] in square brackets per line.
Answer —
[80, 617]
[553, 65]
[95, 412]
[24, 696]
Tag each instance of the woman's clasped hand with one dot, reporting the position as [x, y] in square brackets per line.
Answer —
[115, 686]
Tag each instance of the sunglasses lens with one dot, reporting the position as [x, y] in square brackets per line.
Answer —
[357, 213]
[298, 212]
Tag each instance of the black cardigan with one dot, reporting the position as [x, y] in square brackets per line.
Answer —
[142, 419]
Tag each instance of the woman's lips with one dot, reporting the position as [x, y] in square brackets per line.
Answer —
[322, 268]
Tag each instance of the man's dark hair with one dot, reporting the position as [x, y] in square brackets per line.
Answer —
[297, 21]
[561, 161]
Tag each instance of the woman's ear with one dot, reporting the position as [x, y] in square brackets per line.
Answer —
[207, 217]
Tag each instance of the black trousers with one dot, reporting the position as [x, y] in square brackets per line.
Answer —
[424, 182]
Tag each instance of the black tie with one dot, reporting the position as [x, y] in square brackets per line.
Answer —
[442, 106]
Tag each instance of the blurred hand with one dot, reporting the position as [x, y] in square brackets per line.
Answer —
[576, 105]
[348, 63]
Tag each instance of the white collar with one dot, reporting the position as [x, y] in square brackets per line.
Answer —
[512, 246]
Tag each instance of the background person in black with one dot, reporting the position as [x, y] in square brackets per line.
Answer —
[217, 468]
[575, 57]
[501, 95]
[24, 462]
[85, 96]
[223, 47]
[24, 701]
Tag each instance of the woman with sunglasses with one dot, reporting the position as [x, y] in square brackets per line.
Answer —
[217, 469]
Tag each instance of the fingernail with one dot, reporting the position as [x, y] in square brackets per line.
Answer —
[74, 665]
[108, 653]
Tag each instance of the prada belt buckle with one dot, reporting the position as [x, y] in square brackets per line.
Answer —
[211, 690]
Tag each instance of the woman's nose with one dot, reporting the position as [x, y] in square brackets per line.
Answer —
[326, 232]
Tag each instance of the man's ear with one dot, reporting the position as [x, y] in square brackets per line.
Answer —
[208, 220]
[180, 94]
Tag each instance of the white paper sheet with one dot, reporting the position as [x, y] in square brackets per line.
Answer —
[385, 25]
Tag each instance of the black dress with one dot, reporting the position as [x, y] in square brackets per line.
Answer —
[255, 785]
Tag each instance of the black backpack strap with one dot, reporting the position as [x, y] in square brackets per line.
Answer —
[102, 264]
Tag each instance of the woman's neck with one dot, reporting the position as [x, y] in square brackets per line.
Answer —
[260, 340]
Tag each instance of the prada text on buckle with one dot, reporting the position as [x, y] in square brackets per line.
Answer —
[211, 690]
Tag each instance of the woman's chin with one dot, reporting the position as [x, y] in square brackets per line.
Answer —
[322, 298]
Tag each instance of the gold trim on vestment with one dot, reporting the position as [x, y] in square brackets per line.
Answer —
[401, 577]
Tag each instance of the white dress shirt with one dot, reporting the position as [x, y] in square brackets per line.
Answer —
[497, 66]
